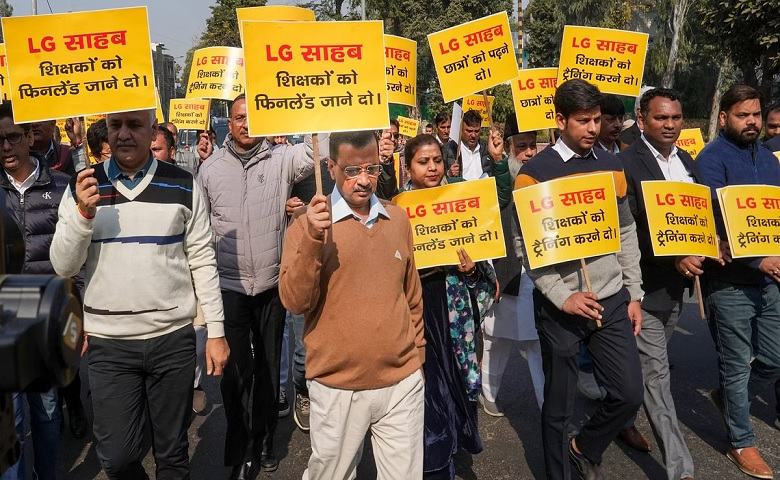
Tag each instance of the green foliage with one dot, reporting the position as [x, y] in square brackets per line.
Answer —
[6, 10]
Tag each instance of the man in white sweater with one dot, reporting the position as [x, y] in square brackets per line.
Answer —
[142, 230]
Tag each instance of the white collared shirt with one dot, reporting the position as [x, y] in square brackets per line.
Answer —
[471, 161]
[673, 169]
[342, 210]
[613, 151]
[567, 153]
[28, 182]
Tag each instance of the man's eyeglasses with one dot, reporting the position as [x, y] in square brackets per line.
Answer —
[396, 135]
[354, 171]
[13, 138]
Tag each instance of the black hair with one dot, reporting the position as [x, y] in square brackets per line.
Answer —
[737, 94]
[775, 107]
[428, 125]
[442, 117]
[414, 144]
[357, 139]
[472, 118]
[394, 122]
[644, 101]
[575, 96]
[97, 135]
[7, 111]
[167, 135]
[612, 105]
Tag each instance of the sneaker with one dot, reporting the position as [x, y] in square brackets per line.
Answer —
[301, 414]
[490, 407]
[198, 400]
[588, 386]
[284, 405]
[750, 462]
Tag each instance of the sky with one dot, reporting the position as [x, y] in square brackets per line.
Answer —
[175, 23]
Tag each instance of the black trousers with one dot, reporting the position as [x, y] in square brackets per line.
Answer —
[254, 326]
[130, 377]
[616, 367]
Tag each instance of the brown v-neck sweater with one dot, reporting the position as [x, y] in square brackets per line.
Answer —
[360, 293]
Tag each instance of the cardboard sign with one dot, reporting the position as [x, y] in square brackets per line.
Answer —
[91, 119]
[397, 168]
[75, 64]
[460, 215]
[679, 217]
[158, 112]
[477, 102]
[64, 136]
[5, 86]
[568, 219]
[533, 92]
[691, 141]
[217, 72]
[269, 13]
[315, 77]
[401, 70]
[473, 56]
[189, 114]
[613, 60]
[408, 126]
[752, 217]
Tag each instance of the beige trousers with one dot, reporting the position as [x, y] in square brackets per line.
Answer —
[339, 422]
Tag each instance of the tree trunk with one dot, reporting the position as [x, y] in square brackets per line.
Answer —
[679, 15]
[723, 70]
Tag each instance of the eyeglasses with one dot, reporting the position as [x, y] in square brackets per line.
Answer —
[396, 135]
[13, 138]
[355, 171]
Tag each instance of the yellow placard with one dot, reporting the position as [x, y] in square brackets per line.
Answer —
[158, 113]
[74, 64]
[408, 127]
[5, 86]
[568, 219]
[286, 13]
[315, 77]
[752, 217]
[189, 114]
[401, 70]
[397, 168]
[679, 217]
[533, 93]
[217, 72]
[691, 141]
[473, 56]
[90, 119]
[613, 60]
[460, 215]
[477, 103]
[61, 126]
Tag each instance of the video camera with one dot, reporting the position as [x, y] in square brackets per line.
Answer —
[41, 333]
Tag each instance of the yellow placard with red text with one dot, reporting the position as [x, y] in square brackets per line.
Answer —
[613, 60]
[268, 13]
[459, 215]
[752, 217]
[568, 219]
[89, 120]
[315, 77]
[408, 127]
[217, 72]
[74, 64]
[401, 70]
[473, 56]
[477, 103]
[691, 141]
[5, 86]
[680, 219]
[189, 114]
[533, 92]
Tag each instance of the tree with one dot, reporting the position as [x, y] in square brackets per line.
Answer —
[676, 23]
[6, 10]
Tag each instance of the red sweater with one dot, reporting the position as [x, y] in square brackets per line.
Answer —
[360, 293]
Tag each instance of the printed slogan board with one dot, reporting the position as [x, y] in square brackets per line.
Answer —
[691, 141]
[477, 103]
[408, 127]
[315, 77]
[74, 64]
[680, 220]
[5, 87]
[217, 72]
[752, 217]
[401, 70]
[447, 218]
[189, 114]
[613, 60]
[286, 13]
[473, 56]
[89, 120]
[533, 92]
[568, 219]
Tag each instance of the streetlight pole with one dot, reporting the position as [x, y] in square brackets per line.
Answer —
[35, 7]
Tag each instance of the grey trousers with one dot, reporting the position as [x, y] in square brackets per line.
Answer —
[657, 329]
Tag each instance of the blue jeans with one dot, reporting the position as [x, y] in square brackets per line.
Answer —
[299, 357]
[45, 428]
[744, 322]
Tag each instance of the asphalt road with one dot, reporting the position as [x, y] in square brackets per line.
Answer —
[512, 444]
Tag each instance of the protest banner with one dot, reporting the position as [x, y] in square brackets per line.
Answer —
[60, 124]
[568, 219]
[533, 92]
[401, 70]
[752, 217]
[613, 60]
[5, 86]
[189, 114]
[680, 220]
[397, 169]
[691, 141]
[74, 64]
[269, 13]
[158, 113]
[91, 119]
[408, 127]
[459, 215]
[477, 103]
[315, 77]
[473, 56]
[217, 72]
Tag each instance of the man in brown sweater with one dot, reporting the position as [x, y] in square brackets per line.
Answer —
[348, 266]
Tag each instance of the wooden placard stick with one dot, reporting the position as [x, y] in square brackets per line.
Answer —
[697, 283]
[587, 283]
[457, 140]
[488, 110]
[315, 146]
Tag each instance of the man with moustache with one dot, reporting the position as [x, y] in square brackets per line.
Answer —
[163, 145]
[612, 113]
[53, 155]
[476, 158]
[742, 297]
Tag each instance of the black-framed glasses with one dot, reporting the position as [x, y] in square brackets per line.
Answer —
[14, 138]
[396, 135]
[354, 171]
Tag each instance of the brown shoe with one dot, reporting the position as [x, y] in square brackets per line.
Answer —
[635, 439]
[750, 462]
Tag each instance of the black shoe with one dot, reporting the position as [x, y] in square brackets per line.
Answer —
[587, 469]
[284, 405]
[268, 462]
[242, 472]
[77, 420]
